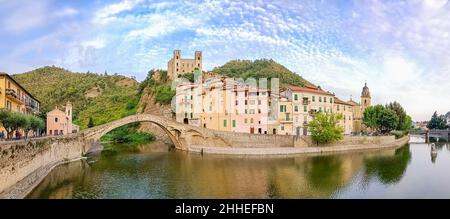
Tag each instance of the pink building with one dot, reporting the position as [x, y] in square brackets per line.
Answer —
[59, 122]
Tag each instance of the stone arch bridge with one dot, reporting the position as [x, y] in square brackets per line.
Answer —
[186, 136]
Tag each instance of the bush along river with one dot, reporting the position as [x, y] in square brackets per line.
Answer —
[156, 171]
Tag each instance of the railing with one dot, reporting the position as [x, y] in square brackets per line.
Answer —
[12, 93]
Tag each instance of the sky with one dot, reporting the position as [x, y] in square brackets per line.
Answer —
[400, 48]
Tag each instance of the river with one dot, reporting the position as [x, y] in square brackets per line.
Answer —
[157, 172]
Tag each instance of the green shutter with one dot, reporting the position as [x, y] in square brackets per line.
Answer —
[296, 108]
[281, 108]
[234, 123]
[295, 97]
[225, 123]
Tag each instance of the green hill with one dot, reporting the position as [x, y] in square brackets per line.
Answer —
[261, 68]
[104, 98]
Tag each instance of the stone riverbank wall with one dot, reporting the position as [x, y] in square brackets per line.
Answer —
[24, 163]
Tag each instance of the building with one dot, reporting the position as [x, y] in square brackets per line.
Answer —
[14, 97]
[178, 66]
[283, 122]
[346, 109]
[359, 108]
[306, 101]
[59, 122]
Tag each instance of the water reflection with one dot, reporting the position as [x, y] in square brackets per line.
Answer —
[388, 169]
[175, 174]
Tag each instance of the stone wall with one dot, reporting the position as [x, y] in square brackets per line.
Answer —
[306, 141]
[23, 164]
[244, 140]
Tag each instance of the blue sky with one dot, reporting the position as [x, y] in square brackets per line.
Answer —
[401, 48]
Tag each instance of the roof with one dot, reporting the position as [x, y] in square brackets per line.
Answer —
[353, 103]
[339, 101]
[26, 91]
[56, 111]
[310, 89]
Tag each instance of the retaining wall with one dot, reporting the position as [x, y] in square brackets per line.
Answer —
[23, 164]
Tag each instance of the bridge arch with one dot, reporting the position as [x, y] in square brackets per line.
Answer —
[173, 130]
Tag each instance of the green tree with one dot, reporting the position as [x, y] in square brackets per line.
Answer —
[12, 121]
[401, 113]
[388, 121]
[325, 128]
[437, 122]
[407, 124]
[37, 124]
[90, 123]
[371, 115]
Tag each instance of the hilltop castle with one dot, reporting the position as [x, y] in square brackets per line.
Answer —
[178, 66]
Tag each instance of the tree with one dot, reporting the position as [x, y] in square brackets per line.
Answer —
[371, 115]
[407, 124]
[37, 124]
[437, 122]
[401, 113]
[12, 121]
[325, 128]
[388, 121]
[90, 123]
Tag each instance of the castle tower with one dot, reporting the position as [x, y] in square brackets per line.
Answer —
[198, 60]
[69, 116]
[366, 100]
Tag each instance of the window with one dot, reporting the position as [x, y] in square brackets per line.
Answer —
[251, 120]
[313, 98]
[245, 111]
[259, 111]
[185, 115]
[237, 102]
[331, 100]
[320, 109]
[287, 117]
[252, 102]
[56, 119]
[234, 123]
[320, 99]
[281, 108]
[282, 128]
[245, 121]
[252, 111]
[296, 108]
[305, 109]
[295, 97]
[246, 103]
[225, 123]
[192, 115]
[338, 108]
[259, 102]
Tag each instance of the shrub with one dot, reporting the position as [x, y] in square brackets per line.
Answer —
[325, 128]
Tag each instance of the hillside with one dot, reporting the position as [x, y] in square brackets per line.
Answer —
[103, 97]
[261, 68]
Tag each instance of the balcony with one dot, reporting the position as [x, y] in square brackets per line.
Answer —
[305, 101]
[13, 96]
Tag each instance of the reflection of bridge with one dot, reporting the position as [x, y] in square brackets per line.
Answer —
[438, 134]
[183, 136]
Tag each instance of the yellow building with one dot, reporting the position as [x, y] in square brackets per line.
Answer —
[15, 98]
[346, 109]
[359, 108]
[306, 101]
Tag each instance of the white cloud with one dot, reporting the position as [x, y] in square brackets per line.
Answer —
[106, 14]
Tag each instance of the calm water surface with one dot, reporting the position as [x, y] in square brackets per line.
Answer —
[156, 172]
